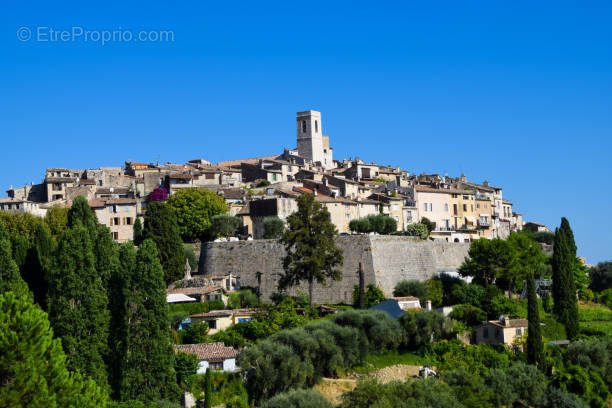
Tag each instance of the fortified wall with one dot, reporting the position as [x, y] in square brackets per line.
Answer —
[387, 260]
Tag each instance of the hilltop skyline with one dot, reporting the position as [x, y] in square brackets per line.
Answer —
[518, 99]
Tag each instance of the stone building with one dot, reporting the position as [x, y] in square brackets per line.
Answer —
[503, 331]
[311, 143]
[118, 214]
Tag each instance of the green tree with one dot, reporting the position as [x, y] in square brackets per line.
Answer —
[162, 228]
[223, 226]
[564, 291]
[185, 366]
[37, 268]
[423, 327]
[208, 395]
[489, 260]
[569, 235]
[529, 259]
[56, 220]
[312, 254]
[373, 296]
[601, 276]
[534, 334]
[80, 212]
[196, 333]
[195, 208]
[148, 370]
[273, 227]
[78, 305]
[429, 224]
[20, 246]
[137, 231]
[10, 279]
[379, 223]
[412, 288]
[33, 365]
[417, 230]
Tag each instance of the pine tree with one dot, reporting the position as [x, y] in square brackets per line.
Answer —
[137, 231]
[207, 390]
[38, 265]
[148, 370]
[312, 254]
[33, 365]
[78, 305]
[161, 227]
[534, 334]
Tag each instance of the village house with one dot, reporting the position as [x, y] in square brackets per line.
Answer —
[219, 320]
[201, 294]
[214, 356]
[118, 214]
[503, 331]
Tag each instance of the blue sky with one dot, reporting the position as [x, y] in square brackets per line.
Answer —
[511, 92]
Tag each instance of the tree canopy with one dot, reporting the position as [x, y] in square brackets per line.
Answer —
[489, 259]
[195, 209]
[379, 223]
[273, 227]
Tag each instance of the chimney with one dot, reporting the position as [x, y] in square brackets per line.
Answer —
[485, 183]
[505, 320]
[428, 304]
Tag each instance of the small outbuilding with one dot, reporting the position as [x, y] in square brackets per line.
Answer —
[215, 356]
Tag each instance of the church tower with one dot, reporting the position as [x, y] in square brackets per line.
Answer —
[311, 143]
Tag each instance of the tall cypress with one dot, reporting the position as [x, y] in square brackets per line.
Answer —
[148, 370]
[207, 390]
[10, 279]
[137, 231]
[119, 282]
[569, 235]
[161, 226]
[78, 303]
[38, 265]
[564, 288]
[534, 334]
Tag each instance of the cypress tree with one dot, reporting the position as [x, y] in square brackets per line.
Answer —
[534, 334]
[569, 235]
[148, 370]
[78, 305]
[137, 231]
[564, 288]
[161, 227]
[33, 365]
[119, 282]
[38, 265]
[80, 212]
[10, 279]
[207, 390]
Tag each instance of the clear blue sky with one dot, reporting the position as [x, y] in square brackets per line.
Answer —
[512, 92]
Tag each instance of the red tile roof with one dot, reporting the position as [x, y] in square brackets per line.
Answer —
[208, 351]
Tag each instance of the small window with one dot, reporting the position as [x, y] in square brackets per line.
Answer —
[477, 205]
[316, 126]
[116, 236]
[425, 207]
[446, 207]
[303, 126]
[519, 332]
[212, 324]
[485, 333]
[347, 216]
[128, 220]
[464, 207]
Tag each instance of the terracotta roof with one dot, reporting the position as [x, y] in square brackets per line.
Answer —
[116, 190]
[195, 291]
[302, 190]
[180, 176]
[233, 193]
[96, 203]
[87, 182]
[513, 323]
[208, 351]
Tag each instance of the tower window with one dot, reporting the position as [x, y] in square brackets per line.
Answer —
[303, 126]
[316, 126]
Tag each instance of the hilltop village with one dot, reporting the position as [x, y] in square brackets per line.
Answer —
[260, 187]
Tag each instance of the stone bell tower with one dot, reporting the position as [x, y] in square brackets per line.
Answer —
[310, 137]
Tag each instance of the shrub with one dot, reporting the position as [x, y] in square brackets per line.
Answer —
[196, 333]
[298, 399]
[224, 226]
[380, 223]
[544, 237]
[423, 327]
[185, 365]
[243, 299]
[412, 288]
[468, 314]
[417, 230]
[273, 227]
[373, 296]
[601, 276]
[262, 183]
[190, 256]
[586, 295]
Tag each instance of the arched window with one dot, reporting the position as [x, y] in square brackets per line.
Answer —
[316, 126]
[303, 126]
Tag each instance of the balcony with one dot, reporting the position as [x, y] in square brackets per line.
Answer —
[484, 223]
[466, 227]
